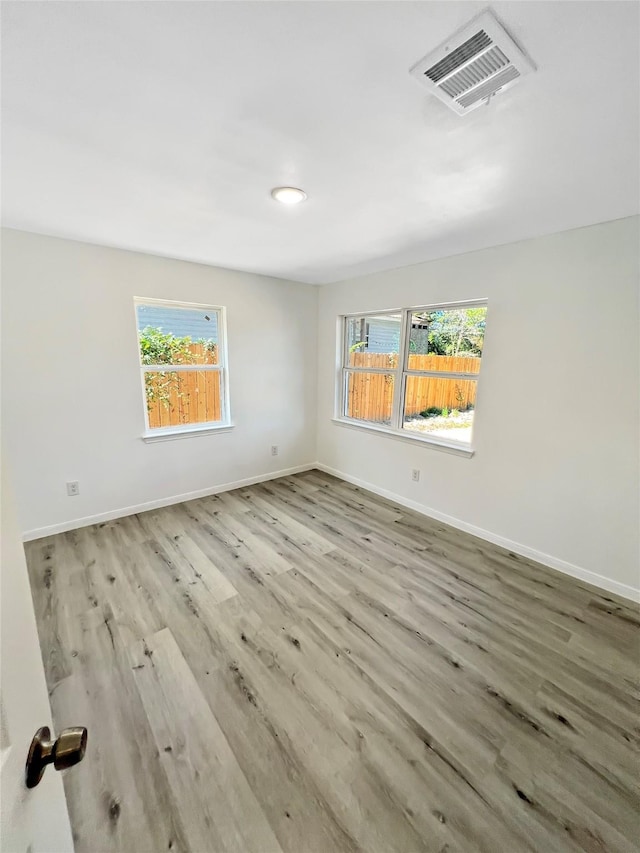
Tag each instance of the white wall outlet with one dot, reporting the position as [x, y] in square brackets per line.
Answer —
[415, 475]
[73, 488]
[274, 449]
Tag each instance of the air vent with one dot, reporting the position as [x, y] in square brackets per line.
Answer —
[476, 63]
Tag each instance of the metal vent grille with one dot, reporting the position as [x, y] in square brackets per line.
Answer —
[477, 62]
[490, 87]
[476, 72]
[459, 56]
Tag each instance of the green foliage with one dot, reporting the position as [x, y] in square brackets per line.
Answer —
[457, 331]
[431, 412]
[158, 347]
[359, 345]
[455, 413]
[445, 412]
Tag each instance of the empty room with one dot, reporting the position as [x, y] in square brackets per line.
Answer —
[320, 427]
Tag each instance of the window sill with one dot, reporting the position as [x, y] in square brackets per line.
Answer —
[183, 432]
[402, 435]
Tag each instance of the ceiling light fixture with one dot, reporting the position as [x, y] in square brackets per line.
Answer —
[288, 195]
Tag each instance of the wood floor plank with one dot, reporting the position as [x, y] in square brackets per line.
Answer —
[311, 733]
[188, 561]
[295, 805]
[389, 746]
[216, 807]
[238, 538]
[187, 608]
[302, 666]
[119, 798]
[49, 577]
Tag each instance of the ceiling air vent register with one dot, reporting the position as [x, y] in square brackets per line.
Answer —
[477, 62]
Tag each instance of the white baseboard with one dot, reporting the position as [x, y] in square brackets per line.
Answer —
[524, 550]
[63, 527]
[559, 565]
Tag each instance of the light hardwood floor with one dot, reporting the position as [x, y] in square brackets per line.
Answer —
[302, 666]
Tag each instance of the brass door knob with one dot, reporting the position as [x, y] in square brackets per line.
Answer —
[68, 749]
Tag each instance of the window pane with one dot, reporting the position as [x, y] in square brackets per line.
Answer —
[440, 407]
[177, 335]
[373, 341]
[369, 397]
[176, 398]
[447, 340]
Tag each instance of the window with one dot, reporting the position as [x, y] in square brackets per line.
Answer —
[414, 372]
[183, 367]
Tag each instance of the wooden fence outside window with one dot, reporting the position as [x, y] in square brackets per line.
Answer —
[370, 395]
[194, 396]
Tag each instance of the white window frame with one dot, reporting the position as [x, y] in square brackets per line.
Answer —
[187, 430]
[400, 374]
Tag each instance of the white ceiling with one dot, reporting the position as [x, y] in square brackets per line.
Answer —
[162, 127]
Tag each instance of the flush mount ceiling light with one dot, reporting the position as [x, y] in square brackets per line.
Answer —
[288, 195]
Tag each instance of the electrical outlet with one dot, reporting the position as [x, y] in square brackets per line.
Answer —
[274, 449]
[415, 475]
[73, 488]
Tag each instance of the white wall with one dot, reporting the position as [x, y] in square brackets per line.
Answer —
[72, 404]
[556, 468]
